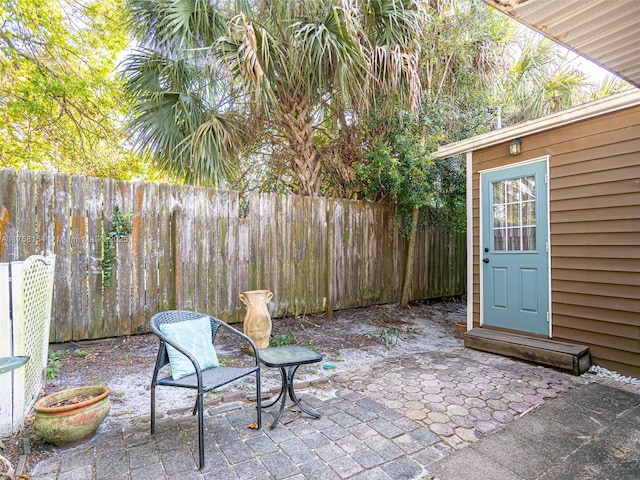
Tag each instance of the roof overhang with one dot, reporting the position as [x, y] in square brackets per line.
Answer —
[603, 31]
[613, 103]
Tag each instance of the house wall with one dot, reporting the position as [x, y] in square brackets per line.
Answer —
[594, 189]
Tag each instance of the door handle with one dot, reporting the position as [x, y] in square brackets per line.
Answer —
[485, 260]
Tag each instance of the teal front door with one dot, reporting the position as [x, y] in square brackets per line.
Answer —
[515, 248]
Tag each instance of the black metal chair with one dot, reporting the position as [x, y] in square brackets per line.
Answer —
[203, 380]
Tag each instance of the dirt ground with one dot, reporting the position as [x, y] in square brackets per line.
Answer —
[353, 337]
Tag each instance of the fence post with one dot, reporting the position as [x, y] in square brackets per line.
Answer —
[329, 241]
[18, 342]
[6, 399]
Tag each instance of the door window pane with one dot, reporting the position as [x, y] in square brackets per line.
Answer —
[514, 214]
[498, 193]
[499, 216]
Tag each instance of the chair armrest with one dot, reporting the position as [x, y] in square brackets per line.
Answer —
[235, 331]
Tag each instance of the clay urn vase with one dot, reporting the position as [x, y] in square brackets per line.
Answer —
[72, 416]
[257, 321]
[461, 327]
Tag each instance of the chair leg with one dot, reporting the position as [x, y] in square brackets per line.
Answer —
[195, 407]
[199, 404]
[153, 408]
[258, 400]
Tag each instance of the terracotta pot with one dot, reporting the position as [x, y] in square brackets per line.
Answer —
[461, 327]
[257, 321]
[73, 423]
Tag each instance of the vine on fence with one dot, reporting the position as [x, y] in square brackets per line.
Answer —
[120, 228]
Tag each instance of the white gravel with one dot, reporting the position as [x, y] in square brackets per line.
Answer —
[605, 373]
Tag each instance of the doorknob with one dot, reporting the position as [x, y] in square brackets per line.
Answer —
[485, 260]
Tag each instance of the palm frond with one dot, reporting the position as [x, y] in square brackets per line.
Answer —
[182, 141]
[174, 24]
[197, 23]
[249, 52]
[330, 55]
[609, 85]
[174, 102]
[213, 148]
[393, 21]
[395, 74]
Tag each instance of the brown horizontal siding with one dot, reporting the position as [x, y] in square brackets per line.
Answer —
[612, 290]
[582, 334]
[589, 139]
[600, 180]
[613, 200]
[589, 252]
[604, 194]
[591, 162]
[595, 146]
[605, 239]
[594, 194]
[618, 324]
[616, 353]
[590, 226]
[597, 301]
[596, 276]
[602, 264]
[593, 214]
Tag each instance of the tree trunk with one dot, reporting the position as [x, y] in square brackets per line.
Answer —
[304, 163]
[408, 273]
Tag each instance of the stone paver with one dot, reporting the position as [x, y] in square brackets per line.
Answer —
[478, 393]
[559, 441]
[402, 418]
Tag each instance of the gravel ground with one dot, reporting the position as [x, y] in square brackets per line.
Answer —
[352, 338]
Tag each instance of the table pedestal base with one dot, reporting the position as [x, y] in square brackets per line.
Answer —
[287, 389]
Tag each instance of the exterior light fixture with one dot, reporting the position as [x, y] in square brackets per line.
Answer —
[515, 146]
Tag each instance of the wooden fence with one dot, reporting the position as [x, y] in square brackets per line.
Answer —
[191, 248]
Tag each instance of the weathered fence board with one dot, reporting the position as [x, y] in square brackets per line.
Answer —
[95, 327]
[110, 291]
[61, 329]
[151, 266]
[78, 267]
[122, 278]
[8, 214]
[139, 221]
[191, 248]
[164, 248]
[26, 218]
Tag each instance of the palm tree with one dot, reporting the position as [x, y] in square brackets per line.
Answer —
[210, 78]
[608, 85]
[544, 80]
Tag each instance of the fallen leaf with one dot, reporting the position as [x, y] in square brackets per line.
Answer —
[253, 425]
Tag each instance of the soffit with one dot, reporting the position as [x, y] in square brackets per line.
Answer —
[606, 32]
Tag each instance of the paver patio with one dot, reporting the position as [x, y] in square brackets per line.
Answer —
[395, 419]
